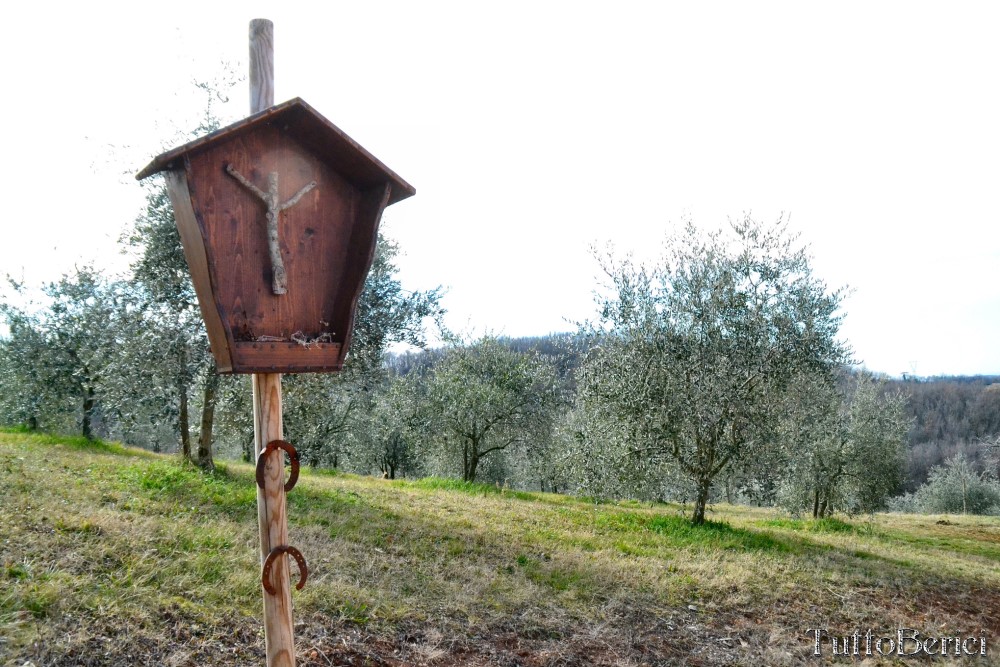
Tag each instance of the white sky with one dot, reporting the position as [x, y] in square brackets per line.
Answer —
[533, 130]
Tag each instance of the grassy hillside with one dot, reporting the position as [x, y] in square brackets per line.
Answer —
[112, 556]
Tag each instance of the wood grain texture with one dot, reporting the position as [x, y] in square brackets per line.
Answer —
[197, 260]
[261, 65]
[325, 242]
[324, 272]
[269, 357]
[271, 515]
[271, 199]
[364, 236]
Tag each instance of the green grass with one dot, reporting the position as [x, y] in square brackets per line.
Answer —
[137, 559]
[472, 488]
[825, 525]
[711, 535]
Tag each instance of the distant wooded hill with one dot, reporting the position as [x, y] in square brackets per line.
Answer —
[951, 415]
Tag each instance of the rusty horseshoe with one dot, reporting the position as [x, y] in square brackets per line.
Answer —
[293, 476]
[265, 574]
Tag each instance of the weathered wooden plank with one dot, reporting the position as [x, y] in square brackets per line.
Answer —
[197, 259]
[364, 235]
[266, 357]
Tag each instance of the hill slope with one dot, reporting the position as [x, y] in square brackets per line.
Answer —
[113, 556]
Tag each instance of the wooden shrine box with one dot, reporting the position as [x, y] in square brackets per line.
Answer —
[284, 304]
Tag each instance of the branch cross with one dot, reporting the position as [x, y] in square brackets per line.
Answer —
[279, 281]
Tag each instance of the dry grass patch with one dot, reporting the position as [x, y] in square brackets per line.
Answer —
[112, 556]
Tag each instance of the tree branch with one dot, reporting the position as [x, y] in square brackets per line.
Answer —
[231, 170]
[298, 195]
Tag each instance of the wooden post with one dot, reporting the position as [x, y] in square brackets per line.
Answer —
[267, 424]
[261, 65]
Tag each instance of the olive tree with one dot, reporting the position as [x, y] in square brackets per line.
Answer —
[173, 354]
[26, 396]
[844, 445]
[69, 338]
[485, 398]
[326, 414]
[956, 487]
[395, 427]
[179, 369]
[86, 354]
[692, 355]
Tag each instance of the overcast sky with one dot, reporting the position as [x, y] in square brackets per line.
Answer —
[534, 130]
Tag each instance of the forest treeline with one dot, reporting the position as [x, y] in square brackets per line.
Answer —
[713, 374]
[951, 416]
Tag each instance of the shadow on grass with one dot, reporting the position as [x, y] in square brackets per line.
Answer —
[420, 544]
[945, 544]
[960, 543]
[230, 491]
[487, 490]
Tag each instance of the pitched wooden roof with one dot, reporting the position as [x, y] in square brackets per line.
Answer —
[307, 126]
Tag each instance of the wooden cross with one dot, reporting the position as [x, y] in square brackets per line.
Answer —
[279, 282]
